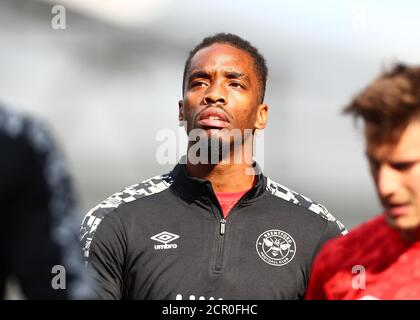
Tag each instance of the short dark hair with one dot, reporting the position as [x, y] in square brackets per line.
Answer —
[237, 42]
[389, 103]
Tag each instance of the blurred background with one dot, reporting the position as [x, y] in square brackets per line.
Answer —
[111, 79]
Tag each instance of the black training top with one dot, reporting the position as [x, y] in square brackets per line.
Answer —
[165, 238]
[39, 236]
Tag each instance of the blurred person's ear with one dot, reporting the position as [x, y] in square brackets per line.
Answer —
[181, 110]
[262, 114]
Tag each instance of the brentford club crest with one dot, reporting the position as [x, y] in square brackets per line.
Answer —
[276, 247]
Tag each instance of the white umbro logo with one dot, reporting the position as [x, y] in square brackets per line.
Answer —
[165, 237]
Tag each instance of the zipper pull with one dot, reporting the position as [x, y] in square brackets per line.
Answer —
[222, 227]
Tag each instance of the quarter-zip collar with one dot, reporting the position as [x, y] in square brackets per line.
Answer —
[199, 190]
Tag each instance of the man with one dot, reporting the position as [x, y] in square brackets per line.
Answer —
[39, 245]
[214, 229]
[381, 258]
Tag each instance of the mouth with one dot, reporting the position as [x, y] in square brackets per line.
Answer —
[397, 210]
[213, 118]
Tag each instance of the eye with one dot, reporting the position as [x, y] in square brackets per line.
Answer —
[237, 85]
[197, 84]
[402, 166]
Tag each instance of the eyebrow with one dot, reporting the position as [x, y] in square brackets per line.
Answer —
[372, 158]
[199, 74]
[227, 74]
[236, 75]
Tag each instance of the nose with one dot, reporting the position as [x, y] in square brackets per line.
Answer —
[388, 181]
[214, 95]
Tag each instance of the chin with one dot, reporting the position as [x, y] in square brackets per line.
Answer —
[405, 225]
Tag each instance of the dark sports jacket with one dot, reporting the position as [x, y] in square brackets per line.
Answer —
[39, 220]
[166, 238]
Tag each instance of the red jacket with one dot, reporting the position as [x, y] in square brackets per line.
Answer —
[370, 262]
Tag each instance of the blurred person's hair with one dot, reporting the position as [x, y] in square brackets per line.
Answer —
[389, 103]
[239, 43]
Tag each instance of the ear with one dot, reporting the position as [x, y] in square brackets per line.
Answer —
[262, 113]
[181, 110]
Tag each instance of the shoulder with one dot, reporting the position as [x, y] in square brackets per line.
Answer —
[94, 217]
[341, 258]
[303, 201]
[31, 153]
[372, 229]
[12, 123]
[27, 129]
[358, 244]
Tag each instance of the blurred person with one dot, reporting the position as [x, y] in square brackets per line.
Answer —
[209, 229]
[380, 259]
[39, 245]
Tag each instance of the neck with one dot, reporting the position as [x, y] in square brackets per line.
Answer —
[235, 173]
[225, 176]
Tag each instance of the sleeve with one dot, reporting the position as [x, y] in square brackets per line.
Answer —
[333, 230]
[315, 290]
[44, 252]
[106, 258]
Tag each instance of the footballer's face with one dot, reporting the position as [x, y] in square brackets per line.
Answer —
[396, 171]
[222, 91]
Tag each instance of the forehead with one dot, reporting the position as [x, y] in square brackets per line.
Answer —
[405, 148]
[223, 57]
